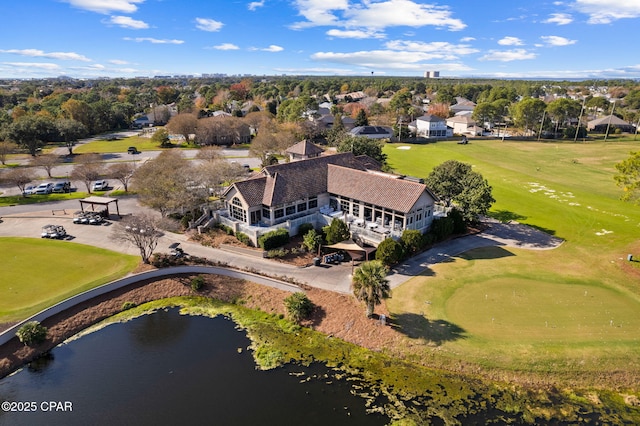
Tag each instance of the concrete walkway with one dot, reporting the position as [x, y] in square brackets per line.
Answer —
[27, 221]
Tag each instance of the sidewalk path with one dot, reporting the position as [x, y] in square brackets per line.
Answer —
[27, 221]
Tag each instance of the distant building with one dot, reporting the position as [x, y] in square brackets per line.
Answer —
[431, 74]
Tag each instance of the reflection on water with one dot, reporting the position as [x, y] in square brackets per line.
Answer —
[165, 368]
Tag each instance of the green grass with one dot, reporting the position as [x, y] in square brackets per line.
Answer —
[39, 273]
[119, 145]
[19, 200]
[575, 307]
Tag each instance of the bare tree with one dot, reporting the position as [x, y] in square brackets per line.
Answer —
[46, 161]
[20, 177]
[168, 183]
[122, 172]
[89, 169]
[6, 148]
[209, 153]
[184, 124]
[143, 231]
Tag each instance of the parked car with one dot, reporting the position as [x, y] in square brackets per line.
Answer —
[100, 185]
[44, 188]
[29, 190]
[61, 187]
[133, 150]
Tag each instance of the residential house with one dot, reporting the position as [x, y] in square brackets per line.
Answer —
[463, 125]
[376, 205]
[373, 132]
[463, 105]
[431, 126]
[613, 122]
[304, 150]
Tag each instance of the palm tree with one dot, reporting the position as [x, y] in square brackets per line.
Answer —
[370, 284]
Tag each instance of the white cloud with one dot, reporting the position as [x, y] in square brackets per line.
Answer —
[39, 65]
[467, 39]
[106, 6]
[206, 24]
[558, 41]
[392, 13]
[118, 62]
[318, 12]
[559, 18]
[255, 4]
[381, 58]
[36, 53]
[508, 55]
[510, 41]
[442, 48]
[604, 12]
[153, 40]
[273, 48]
[128, 22]
[226, 46]
[374, 15]
[356, 34]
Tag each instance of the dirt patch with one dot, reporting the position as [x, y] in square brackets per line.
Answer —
[294, 253]
[337, 315]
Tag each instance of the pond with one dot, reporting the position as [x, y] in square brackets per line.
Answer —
[167, 368]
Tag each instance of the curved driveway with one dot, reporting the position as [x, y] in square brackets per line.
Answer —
[27, 221]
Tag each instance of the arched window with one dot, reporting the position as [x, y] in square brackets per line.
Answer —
[237, 211]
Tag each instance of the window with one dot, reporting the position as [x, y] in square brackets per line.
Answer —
[291, 210]
[236, 210]
[266, 213]
[344, 205]
[302, 207]
[279, 213]
[313, 203]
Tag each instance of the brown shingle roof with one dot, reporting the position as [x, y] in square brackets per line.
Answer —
[305, 148]
[252, 190]
[377, 189]
[294, 181]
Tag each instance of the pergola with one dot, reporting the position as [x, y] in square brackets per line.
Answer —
[354, 250]
[100, 201]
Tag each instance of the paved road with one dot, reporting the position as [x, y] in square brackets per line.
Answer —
[27, 221]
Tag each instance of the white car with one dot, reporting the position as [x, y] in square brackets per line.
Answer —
[100, 185]
[44, 188]
[29, 190]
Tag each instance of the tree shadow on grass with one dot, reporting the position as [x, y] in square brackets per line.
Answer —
[417, 326]
[492, 252]
[505, 216]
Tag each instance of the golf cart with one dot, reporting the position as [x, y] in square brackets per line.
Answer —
[53, 231]
[176, 250]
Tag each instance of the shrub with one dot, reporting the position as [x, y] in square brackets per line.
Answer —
[32, 333]
[337, 231]
[412, 240]
[389, 252]
[312, 240]
[197, 283]
[244, 239]
[225, 228]
[459, 225]
[128, 305]
[298, 306]
[273, 239]
[277, 253]
[305, 228]
[441, 228]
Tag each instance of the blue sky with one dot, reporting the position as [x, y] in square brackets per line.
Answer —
[463, 38]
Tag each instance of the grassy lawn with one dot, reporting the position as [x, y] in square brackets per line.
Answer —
[575, 308]
[19, 200]
[119, 145]
[27, 284]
